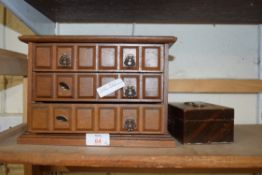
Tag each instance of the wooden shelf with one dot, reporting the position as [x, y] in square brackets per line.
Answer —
[245, 154]
[215, 86]
[12, 63]
[152, 11]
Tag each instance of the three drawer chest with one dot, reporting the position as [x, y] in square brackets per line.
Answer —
[64, 73]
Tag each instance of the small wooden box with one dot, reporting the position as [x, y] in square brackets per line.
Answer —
[198, 122]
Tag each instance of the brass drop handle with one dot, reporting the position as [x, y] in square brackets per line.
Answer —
[130, 92]
[61, 118]
[64, 86]
[130, 60]
[65, 60]
[130, 125]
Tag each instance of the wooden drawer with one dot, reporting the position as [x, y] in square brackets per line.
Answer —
[98, 57]
[82, 87]
[107, 118]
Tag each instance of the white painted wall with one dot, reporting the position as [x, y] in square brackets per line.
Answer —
[202, 51]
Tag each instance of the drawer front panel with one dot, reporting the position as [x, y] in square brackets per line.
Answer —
[43, 86]
[86, 57]
[40, 118]
[65, 57]
[65, 86]
[91, 118]
[82, 87]
[86, 86]
[62, 118]
[151, 57]
[98, 57]
[43, 57]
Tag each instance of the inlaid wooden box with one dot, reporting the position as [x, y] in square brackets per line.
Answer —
[199, 122]
[63, 76]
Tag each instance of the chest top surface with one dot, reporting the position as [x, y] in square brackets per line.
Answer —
[98, 39]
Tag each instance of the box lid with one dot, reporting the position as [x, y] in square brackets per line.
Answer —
[200, 111]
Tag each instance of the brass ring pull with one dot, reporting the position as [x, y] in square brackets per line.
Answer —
[130, 60]
[130, 92]
[130, 125]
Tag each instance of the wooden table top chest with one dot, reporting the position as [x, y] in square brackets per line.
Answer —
[63, 76]
[200, 122]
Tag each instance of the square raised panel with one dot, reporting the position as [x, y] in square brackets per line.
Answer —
[62, 118]
[107, 58]
[86, 57]
[151, 58]
[85, 118]
[40, 117]
[132, 88]
[43, 85]
[129, 58]
[104, 79]
[65, 86]
[43, 57]
[152, 85]
[64, 57]
[129, 118]
[107, 119]
[152, 119]
[86, 86]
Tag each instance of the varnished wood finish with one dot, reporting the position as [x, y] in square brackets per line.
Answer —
[198, 122]
[215, 85]
[64, 73]
[4, 135]
[82, 118]
[129, 50]
[82, 87]
[12, 63]
[43, 57]
[86, 59]
[107, 57]
[86, 86]
[151, 58]
[244, 155]
[67, 50]
[98, 39]
[156, 11]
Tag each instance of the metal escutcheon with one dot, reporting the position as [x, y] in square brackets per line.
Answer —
[130, 125]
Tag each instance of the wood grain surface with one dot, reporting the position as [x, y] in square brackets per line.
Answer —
[12, 63]
[244, 154]
[98, 39]
[215, 86]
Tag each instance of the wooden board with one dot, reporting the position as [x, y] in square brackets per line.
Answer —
[244, 154]
[215, 86]
[98, 39]
[12, 63]
[156, 11]
[148, 141]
